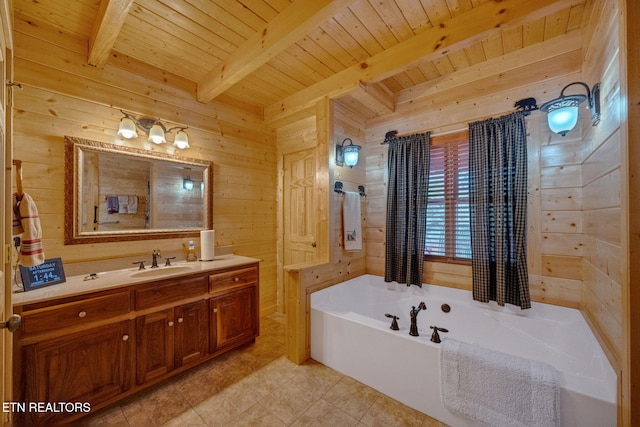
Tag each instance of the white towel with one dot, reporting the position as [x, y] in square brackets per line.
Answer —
[352, 222]
[496, 388]
[123, 204]
[132, 207]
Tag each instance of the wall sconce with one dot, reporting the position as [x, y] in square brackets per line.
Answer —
[154, 128]
[562, 112]
[187, 183]
[347, 155]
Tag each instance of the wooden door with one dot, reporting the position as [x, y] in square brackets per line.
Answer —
[233, 318]
[92, 366]
[6, 157]
[154, 345]
[192, 333]
[299, 216]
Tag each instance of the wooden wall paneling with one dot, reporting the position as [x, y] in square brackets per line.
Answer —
[63, 96]
[630, 87]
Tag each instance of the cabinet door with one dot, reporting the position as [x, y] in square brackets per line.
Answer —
[154, 349]
[90, 366]
[192, 333]
[233, 319]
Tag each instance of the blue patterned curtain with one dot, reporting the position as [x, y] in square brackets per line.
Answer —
[407, 208]
[498, 208]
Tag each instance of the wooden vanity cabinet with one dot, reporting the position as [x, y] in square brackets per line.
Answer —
[100, 347]
[173, 337]
[234, 308]
[170, 339]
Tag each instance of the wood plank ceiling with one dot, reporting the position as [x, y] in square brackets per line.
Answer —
[283, 55]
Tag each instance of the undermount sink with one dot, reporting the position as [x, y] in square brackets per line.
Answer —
[161, 271]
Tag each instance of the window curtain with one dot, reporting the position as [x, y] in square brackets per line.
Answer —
[498, 210]
[406, 227]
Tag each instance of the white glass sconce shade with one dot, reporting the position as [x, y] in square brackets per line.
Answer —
[127, 128]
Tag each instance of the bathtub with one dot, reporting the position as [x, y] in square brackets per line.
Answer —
[350, 333]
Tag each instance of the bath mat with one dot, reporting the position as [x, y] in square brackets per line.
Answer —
[496, 388]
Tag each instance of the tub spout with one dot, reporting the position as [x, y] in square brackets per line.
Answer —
[413, 314]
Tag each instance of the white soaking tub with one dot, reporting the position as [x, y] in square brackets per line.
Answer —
[350, 333]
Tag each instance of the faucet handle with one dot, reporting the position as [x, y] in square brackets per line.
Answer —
[394, 322]
[167, 262]
[435, 336]
[141, 263]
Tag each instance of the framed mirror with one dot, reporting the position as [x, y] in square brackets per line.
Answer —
[119, 193]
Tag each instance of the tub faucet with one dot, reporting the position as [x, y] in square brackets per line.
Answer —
[155, 255]
[413, 314]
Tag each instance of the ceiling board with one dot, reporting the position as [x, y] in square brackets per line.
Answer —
[191, 38]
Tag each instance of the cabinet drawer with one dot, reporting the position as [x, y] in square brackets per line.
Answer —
[232, 278]
[169, 291]
[74, 313]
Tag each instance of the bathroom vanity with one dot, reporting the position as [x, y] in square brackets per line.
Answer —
[95, 342]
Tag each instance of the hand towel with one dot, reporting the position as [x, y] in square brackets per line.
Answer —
[31, 252]
[123, 204]
[498, 389]
[113, 205]
[132, 207]
[352, 222]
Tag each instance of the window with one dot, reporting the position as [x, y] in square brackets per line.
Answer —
[448, 238]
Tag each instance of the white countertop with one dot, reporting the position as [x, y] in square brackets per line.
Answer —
[77, 285]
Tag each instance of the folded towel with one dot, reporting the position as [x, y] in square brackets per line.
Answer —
[31, 252]
[497, 388]
[132, 207]
[113, 204]
[352, 222]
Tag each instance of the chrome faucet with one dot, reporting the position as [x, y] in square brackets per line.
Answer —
[413, 314]
[155, 255]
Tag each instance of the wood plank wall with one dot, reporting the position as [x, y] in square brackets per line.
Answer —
[62, 95]
[604, 262]
[554, 218]
[332, 123]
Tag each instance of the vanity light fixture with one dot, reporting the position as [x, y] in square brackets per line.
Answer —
[187, 183]
[347, 155]
[154, 128]
[562, 112]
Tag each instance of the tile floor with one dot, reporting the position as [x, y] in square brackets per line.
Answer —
[257, 386]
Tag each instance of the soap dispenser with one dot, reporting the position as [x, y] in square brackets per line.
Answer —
[191, 251]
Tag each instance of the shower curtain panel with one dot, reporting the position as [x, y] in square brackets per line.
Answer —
[498, 208]
[406, 225]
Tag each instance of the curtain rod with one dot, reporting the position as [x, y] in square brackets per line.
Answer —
[392, 134]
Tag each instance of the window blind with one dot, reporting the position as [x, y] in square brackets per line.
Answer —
[448, 236]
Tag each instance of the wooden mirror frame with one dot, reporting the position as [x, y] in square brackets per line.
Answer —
[72, 234]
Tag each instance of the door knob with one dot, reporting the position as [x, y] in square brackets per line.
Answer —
[13, 323]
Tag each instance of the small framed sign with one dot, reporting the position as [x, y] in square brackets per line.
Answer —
[48, 273]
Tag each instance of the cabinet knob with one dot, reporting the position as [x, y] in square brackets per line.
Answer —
[235, 279]
[82, 314]
[125, 338]
[171, 323]
[215, 310]
[180, 320]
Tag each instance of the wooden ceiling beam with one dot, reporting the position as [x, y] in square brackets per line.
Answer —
[109, 20]
[291, 25]
[456, 33]
[375, 96]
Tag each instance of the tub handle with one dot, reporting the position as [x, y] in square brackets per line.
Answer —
[435, 336]
[394, 322]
